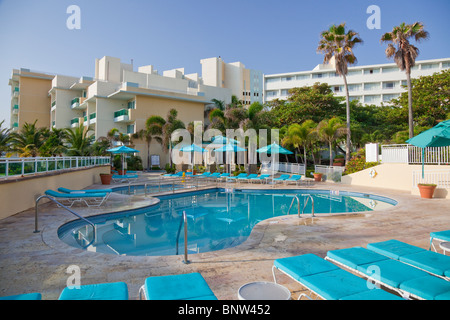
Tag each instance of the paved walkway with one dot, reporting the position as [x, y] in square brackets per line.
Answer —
[38, 262]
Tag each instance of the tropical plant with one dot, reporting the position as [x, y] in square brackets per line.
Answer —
[299, 135]
[78, 141]
[5, 138]
[53, 144]
[338, 43]
[152, 132]
[171, 124]
[405, 55]
[28, 140]
[330, 131]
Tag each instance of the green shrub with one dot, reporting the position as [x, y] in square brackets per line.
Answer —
[358, 163]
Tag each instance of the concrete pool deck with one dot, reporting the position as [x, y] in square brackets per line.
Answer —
[38, 262]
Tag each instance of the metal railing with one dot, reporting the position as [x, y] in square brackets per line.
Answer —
[441, 178]
[333, 173]
[304, 206]
[297, 168]
[183, 221]
[36, 229]
[10, 167]
[406, 153]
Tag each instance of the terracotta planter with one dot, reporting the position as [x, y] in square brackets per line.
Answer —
[122, 172]
[426, 191]
[317, 177]
[106, 178]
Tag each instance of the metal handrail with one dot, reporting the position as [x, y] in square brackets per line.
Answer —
[306, 202]
[184, 220]
[63, 206]
[298, 204]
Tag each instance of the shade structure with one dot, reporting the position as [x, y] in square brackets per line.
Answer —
[274, 148]
[230, 148]
[122, 150]
[438, 136]
[223, 140]
[192, 148]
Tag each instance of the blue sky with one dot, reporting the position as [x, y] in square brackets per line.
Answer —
[271, 36]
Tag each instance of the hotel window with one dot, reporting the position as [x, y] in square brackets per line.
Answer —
[389, 97]
[372, 86]
[319, 75]
[285, 92]
[286, 78]
[303, 76]
[337, 89]
[354, 87]
[389, 85]
[372, 99]
[271, 93]
[130, 128]
[390, 69]
[358, 98]
[132, 104]
[445, 65]
[430, 66]
[269, 80]
[371, 71]
[354, 73]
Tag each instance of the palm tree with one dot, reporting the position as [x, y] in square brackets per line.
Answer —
[405, 55]
[300, 136]
[171, 124]
[5, 138]
[152, 132]
[330, 131]
[78, 141]
[28, 140]
[338, 43]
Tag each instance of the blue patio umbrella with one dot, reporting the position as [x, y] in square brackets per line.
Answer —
[230, 148]
[122, 150]
[438, 136]
[274, 148]
[223, 140]
[192, 148]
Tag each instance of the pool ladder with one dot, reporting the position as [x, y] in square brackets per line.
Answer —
[183, 221]
[298, 204]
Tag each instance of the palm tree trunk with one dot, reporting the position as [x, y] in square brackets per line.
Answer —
[410, 110]
[304, 153]
[148, 155]
[331, 153]
[347, 101]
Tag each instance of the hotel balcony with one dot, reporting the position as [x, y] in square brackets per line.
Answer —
[92, 118]
[77, 103]
[75, 122]
[122, 116]
[15, 109]
[16, 92]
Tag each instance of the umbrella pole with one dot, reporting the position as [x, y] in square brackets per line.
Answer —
[423, 163]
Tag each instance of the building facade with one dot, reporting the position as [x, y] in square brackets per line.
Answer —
[371, 84]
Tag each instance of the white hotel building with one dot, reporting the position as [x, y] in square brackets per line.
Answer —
[371, 84]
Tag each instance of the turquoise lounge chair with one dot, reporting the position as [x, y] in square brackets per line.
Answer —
[89, 198]
[203, 175]
[281, 178]
[124, 177]
[250, 176]
[65, 190]
[262, 178]
[25, 296]
[178, 174]
[295, 178]
[441, 236]
[190, 286]
[432, 262]
[239, 176]
[327, 280]
[102, 291]
[406, 280]
[214, 175]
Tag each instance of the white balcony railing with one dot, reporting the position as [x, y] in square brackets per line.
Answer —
[406, 153]
[30, 165]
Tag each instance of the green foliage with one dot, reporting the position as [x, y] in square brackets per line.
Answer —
[358, 163]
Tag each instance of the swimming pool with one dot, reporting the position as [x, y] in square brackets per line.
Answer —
[217, 219]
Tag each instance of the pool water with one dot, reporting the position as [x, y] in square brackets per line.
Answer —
[216, 219]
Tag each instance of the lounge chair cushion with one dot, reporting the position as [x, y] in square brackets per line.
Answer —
[25, 296]
[190, 286]
[335, 285]
[374, 294]
[393, 248]
[356, 256]
[305, 265]
[102, 291]
[75, 195]
[441, 235]
[432, 262]
[428, 287]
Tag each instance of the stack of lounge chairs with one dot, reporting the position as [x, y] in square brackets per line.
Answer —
[409, 271]
[90, 197]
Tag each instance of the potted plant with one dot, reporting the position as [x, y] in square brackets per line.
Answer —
[118, 165]
[339, 160]
[106, 178]
[317, 176]
[426, 190]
